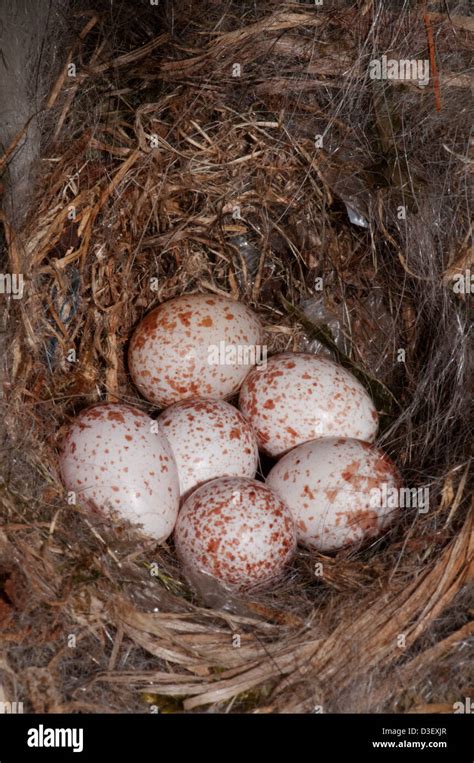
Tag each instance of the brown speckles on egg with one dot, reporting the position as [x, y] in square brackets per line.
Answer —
[367, 521]
[92, 459]
[350, 471]
[116, 416]
[185, 318]
[237, 531]
[173, 352]
[209, 438]
[336, 491]
[299, 397]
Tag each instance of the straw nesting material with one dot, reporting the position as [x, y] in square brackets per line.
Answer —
[167, 170]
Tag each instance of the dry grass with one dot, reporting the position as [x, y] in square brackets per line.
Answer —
[154, 144]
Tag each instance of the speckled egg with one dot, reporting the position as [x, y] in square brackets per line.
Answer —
[340, 491]
[298, 397]
[236, 530]
[197, 345]
[115, 461]
[209, 439]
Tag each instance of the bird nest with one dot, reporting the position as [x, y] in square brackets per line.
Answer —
[245, 152]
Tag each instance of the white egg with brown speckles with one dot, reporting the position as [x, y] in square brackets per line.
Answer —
[237, 531]
[116, 460]
[340, 491]
[197, 345]
[209, 439]
[298, 397]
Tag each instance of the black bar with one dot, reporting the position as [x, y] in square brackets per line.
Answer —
[312, 737]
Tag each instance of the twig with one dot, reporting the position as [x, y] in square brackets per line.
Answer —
[429, 34]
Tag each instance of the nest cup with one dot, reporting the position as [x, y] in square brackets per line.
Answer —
[246, 153]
